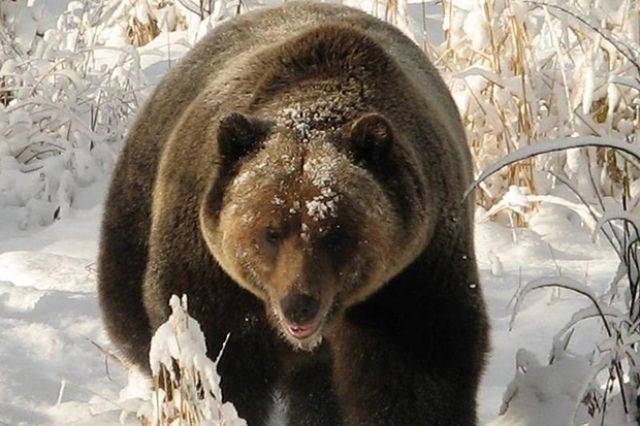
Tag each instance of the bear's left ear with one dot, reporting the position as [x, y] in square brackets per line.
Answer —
[238, 135]
[370, 137]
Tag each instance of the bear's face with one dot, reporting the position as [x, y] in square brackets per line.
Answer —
[303, 224]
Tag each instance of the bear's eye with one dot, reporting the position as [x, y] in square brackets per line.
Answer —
[335, 238]
[272, 235]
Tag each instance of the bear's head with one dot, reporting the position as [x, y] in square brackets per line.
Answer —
[310, 219]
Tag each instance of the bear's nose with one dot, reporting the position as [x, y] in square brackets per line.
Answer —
[300, 308]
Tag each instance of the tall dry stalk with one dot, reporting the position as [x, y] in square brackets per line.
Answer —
[523, 71]
[142, 24]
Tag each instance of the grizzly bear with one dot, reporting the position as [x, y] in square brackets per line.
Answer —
[300, 176]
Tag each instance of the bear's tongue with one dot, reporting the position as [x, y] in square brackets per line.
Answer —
[302, 331]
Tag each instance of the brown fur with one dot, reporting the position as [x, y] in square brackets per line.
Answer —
[307, 149]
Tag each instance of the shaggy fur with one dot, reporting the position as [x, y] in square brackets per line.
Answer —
[306, 149]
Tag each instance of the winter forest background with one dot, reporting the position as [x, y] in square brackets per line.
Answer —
[557, 231]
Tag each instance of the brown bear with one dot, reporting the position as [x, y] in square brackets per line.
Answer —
[300, 176]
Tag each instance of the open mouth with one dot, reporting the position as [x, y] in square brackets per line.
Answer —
[305, 335]
[303, 331]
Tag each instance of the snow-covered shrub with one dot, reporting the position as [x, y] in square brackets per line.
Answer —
[611, 388]
[65, 102]
[522, 71]
[186, 385]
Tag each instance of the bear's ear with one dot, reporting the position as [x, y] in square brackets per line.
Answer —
[238, 135]
[370, 138]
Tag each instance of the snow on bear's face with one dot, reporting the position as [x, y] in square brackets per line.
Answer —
[302, 226]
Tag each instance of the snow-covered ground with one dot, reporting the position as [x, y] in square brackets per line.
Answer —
[53, 368]
[51, 371]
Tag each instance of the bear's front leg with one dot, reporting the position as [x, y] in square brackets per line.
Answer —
[382, 382]
[308, 389]
[248, 374]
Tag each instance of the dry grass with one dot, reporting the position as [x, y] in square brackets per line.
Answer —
[139, 34]
[177, 397]
[6, 95]
[524, 71]
[142, 25]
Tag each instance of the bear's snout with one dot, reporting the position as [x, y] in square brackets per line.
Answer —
[300, 308]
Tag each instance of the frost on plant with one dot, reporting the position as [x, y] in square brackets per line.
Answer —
[186, 385]
[64, 106]
[522, 71]
[611, 387]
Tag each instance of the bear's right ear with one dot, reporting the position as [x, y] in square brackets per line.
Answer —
[370, 138]
[238, 135]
